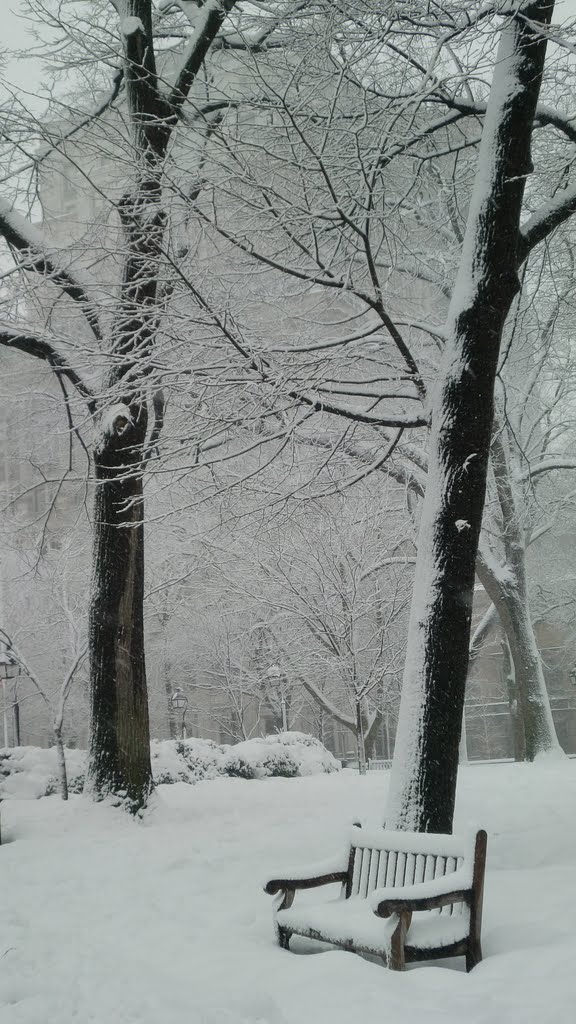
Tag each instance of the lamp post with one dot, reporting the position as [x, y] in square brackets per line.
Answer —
[9, 669]
[179, 702]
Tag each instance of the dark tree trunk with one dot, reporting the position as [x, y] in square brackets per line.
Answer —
[423, 783]
[119, 762]
[442, 606]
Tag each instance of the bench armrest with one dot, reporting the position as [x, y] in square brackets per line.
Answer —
[277, 884]
[310, 875]
[455, 887]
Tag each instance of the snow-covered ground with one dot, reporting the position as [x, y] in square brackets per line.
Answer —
[107, 921]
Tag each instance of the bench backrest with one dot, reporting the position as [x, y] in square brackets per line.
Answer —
[385, 858]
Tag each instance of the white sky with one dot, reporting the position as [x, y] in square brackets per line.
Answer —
[21, 75]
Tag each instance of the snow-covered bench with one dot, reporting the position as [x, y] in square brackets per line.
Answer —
[404, 896]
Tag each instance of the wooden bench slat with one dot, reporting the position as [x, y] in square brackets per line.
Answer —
[420, 868]
[410, 869]
[382, 869]
[355, 888]
[373, 873]
[400, 868]
[430, 868]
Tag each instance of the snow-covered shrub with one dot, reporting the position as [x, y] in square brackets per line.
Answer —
[238, 767]
[268, 758]
[75, 785]
[189, 761]
[310, 753]
[280, 763]
[168, 766]
[32, 772]
[204, 759]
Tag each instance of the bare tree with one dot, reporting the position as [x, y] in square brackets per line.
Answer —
[337, 238]
[128, 408]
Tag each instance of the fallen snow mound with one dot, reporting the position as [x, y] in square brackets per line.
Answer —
[32, 772]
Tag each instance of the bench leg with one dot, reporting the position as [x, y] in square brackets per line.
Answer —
[283, 938]
[473, 955]
[396, 959]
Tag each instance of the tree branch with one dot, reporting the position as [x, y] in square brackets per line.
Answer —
[33, 346]
[22, 236]
[208, 24]
[545, 466]
[550, 216]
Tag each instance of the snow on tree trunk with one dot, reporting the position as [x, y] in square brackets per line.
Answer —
[119, 759]
[425, 766]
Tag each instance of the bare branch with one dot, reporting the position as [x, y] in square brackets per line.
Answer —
[209, 23]
[32, 345]
[23, 237]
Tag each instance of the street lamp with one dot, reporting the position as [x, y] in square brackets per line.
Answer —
[179, 702]
[9, 669]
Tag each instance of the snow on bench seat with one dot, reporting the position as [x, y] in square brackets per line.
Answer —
[353, 924]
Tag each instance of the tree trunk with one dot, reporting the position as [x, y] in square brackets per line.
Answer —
[119, 760]
[518, 738]
[167, 671]
[463, 753]
[509, 593]
[371, 733]
[530, 685]
[16, 711]
[360, 742]
[62, 773]
[425, 767]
